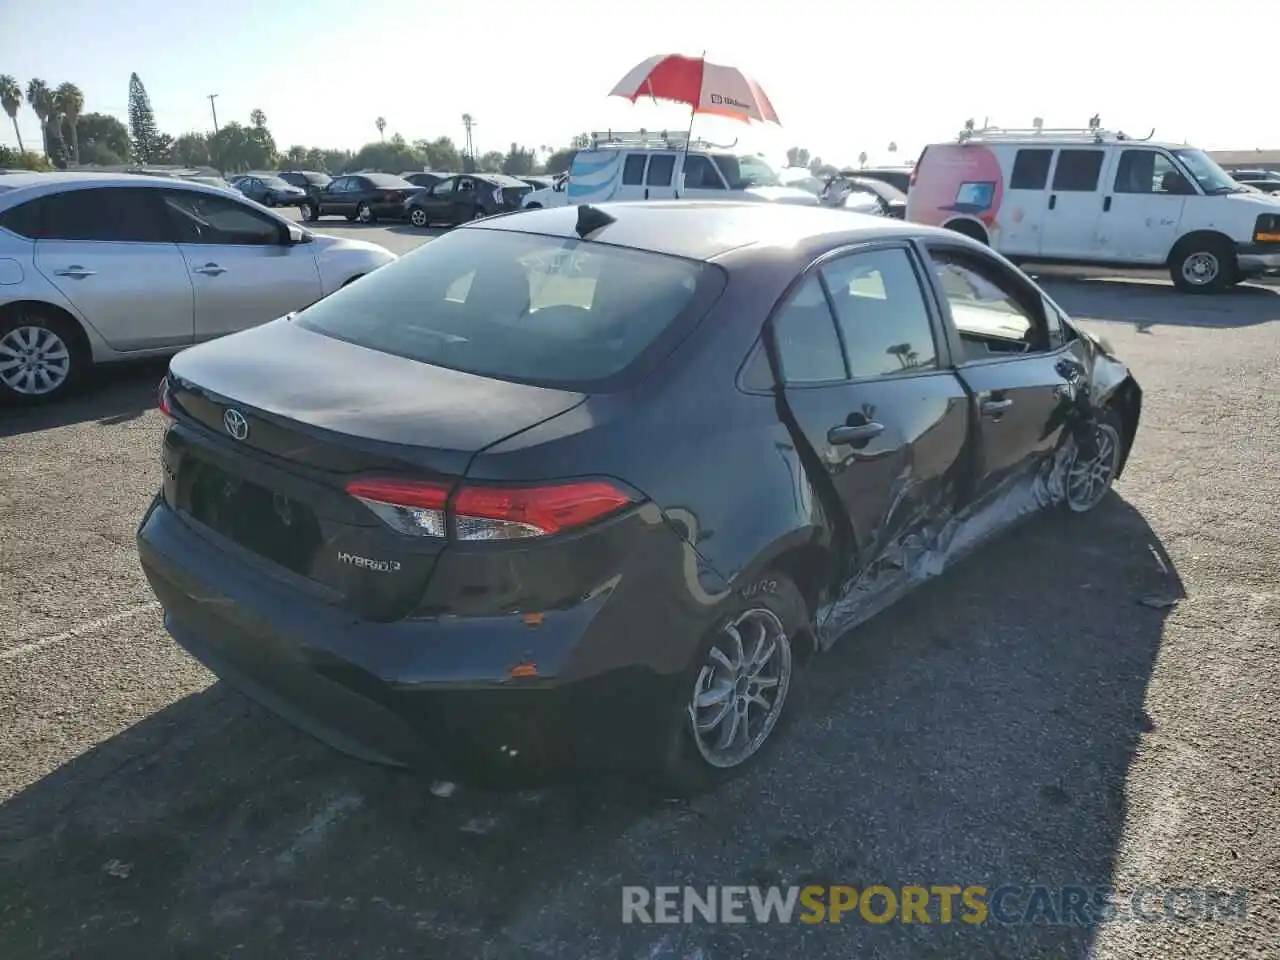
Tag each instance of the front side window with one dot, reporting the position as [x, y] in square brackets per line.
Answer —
[741, 172]
[521, 307]
[989, 309]
[443, 188]
[1148, 171]
[205, 218]
[700, 174]
[882, 314]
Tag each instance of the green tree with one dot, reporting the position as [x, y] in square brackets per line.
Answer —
[238, 148]
[11, 100]
[142, 123]
[381, 124]
[581, 142]
[441, 154]
[70, 104]
[490, 162]
[103, 139]
[192, 150]
[559, 161]
[11, 159]
[40, 99]
[519, 161]
[797, 157]
[294, 158]
[388, 156]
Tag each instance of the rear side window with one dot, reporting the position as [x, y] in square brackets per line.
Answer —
[882, 314]
[104, 214]
[633, 170]
[532, 309]
[661, 166]
[1031, 170]
[1078, 170]
[808, 344]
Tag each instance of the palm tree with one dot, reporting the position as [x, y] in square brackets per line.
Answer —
[381, 124]
[11, 100]
[70, 103]
[258, 119]
[41, 101]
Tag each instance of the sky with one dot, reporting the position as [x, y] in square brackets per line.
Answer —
[844, 79]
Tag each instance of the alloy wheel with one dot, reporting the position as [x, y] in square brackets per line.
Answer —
[1090, 478]
[741, 689]
[418, 217]
[364, 214]
[34, 361]
[1201, 269]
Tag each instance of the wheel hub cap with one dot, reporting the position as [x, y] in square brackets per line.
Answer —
[33, 360]
[1090, 478]
[1200, 268]
[741, 688]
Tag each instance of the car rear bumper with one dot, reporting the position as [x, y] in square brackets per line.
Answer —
[434, 694]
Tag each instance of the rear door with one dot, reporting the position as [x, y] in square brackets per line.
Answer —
[631, 186]
[1014, 355]
[108, 251]
[242, 268]
[876, 404]
[1026, 199]
[1075, 204]
[339, 197]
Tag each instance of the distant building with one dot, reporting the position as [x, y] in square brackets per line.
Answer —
[1247, 159]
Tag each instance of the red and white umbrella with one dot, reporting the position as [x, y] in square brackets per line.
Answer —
[705, 87]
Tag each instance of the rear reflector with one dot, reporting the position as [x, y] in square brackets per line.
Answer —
[489, 513]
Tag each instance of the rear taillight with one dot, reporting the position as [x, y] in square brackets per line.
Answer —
[162, 398]
[489, 513]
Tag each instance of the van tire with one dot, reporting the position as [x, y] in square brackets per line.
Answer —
[1203, 263]
[969, 229]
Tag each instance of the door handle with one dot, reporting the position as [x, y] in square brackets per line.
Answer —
[209, 270]
[854, 433]
[646, 193]
[75, 271]
[994, 408]
[1106, 204]
[1053, 200]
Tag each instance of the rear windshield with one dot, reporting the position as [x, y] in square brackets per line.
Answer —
[387, 181]
[515, 306]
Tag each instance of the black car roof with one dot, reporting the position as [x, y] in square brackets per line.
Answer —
[706, 230]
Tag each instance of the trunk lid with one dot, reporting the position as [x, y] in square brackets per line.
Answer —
[273, 422]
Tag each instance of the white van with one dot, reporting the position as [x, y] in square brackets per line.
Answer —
[1091, 196]
[648, 166]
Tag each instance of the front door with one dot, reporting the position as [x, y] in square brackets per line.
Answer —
[1012, 357]
[338, 198]
[702, 180]
[242, 268]
[438, 201]
[1142, 210]
[107, 250]
[1074, 204]
[877, 411]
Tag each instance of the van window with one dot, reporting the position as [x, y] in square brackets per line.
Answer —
[700, 174]
[1078, 170]
[633, 171]
[1031, 170]
[1144, 171]
[661, 166]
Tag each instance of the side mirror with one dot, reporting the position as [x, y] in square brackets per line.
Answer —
[297, 235]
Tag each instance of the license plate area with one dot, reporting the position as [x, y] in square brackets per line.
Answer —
[262, 521]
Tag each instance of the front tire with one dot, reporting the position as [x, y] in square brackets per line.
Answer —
[734, 693]
[1205, 265]
[310, 212]
[1093, 471]
[42, 357]
[418, 217]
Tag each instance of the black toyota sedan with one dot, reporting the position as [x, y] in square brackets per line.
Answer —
[584, 488]
[464, 198]
[367, 197]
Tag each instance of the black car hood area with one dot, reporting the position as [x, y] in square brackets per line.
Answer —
[319, 381]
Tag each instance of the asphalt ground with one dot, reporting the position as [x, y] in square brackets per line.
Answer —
[1088, 701]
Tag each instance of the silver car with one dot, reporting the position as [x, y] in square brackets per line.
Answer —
[96, 268]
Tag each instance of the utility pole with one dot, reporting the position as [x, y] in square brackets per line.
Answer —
[468, 122]
[214, 107]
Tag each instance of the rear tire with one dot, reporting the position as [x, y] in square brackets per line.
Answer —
[969, 229]
[43, 356]
[721, 680]
[418, 217]
[1203, 265]
[365, 214]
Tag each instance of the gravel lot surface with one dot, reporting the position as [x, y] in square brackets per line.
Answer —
[1027, 719]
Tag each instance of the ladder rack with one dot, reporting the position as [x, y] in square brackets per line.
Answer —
[653, 139]
[1076, 134]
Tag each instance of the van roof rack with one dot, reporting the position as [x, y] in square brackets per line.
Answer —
[1090, 134]
[654, 139]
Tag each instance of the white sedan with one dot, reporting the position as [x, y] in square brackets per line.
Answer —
[97, 268]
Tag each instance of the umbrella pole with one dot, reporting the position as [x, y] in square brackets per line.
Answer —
[693, 112]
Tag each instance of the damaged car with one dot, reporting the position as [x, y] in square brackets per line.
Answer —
[585, 489]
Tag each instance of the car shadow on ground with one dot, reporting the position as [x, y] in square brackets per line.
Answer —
[112, 394]
[978, 733]
[1147, 304]
[391, 226]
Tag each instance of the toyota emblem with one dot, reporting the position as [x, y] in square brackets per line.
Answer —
[236, 423]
